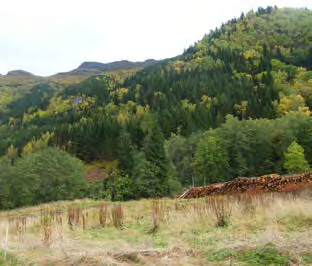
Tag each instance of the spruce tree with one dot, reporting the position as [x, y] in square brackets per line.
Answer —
[125, 150]
[153, 148]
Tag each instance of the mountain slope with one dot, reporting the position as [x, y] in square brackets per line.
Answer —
[286, 32]
[19, 89]
[248, 68]
[256, 69]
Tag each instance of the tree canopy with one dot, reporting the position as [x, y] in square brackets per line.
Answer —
[294, 159]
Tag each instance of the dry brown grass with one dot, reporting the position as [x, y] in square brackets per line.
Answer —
[188, 231]
[74, 214]
[103, 213]
[46, 223]
[18, 227]
[117, 215]
[221, 207]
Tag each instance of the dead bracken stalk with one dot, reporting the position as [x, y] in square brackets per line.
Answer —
[18, 227]
[74, 214]
[199, 210]
[58, 220]
[85, 217]
[157, 213]
[117, 215]
[166, 211]
[46, 224]
[103, 214]
[179, 206]
[247, 202]
[221, 208]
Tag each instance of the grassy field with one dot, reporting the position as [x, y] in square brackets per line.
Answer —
[269, 229]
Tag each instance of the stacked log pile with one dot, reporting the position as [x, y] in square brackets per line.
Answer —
[267, 183]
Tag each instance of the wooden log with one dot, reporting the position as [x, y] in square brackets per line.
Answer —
[267, 183]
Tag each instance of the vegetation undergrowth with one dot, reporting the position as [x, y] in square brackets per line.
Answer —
[260, 256]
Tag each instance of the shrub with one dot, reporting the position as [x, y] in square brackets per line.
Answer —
[47, 175]
[118, 187]
[94, 190]
[221, 208]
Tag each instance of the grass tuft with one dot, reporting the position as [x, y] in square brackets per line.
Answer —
[221, 208]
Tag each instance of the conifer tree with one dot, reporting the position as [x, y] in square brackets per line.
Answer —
[125, 150]
[153, 148]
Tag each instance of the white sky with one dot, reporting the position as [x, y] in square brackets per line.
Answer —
[49, 36]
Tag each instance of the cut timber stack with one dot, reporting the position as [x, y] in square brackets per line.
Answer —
[267, 183]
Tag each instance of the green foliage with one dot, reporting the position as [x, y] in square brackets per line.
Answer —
[94, 190]
[118, 187]
[295, 222]
[146, 177]
[9, 260]
[229, 106]
[251, 147]
[221, 255]
[175, 187]
[37, 144]
[294, 159]
[153, 148]
[211, 161]
[307, 259]
[17, 94]
[266, 255]
[179, 152]
[125, 151]
[46, 175]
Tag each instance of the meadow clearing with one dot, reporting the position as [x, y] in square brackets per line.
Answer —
[246, 229]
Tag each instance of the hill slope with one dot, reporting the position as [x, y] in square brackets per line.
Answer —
[20, 90]
[244, 68]
[245, 89]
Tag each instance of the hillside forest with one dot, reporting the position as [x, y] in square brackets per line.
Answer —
[236, 103]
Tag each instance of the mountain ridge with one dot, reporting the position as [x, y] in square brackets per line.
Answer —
[19, 72]
[90, 67]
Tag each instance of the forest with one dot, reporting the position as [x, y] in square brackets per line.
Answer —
[236, 103]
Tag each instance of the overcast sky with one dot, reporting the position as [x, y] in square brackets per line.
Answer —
[49, 36]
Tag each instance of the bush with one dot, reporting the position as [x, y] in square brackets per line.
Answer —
[118, 187]
[47, 175]
[94, 190]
